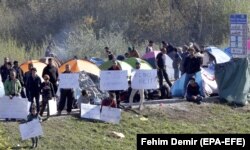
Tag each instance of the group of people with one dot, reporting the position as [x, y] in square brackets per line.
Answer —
[186, 59]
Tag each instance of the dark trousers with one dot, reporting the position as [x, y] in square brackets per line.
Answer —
[191, 99]
[55, 87]
[69, 95]
[44, 104]
[163, 73]
[34, 140]
[37, 98]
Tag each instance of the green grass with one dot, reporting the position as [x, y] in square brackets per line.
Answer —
[70, 132]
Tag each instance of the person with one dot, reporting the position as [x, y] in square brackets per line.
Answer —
[134, 91]
[133, 52]
[47, 92]
[126, 55]
[34, 88]
[9, 68]
[25, 78]
[19, 75]
[161, 67]
[149, 48]
[176, 63]
[110, 56]
[109, 102]
[66, 94]
[184, 55]
[193, 92]
[34, 115]
[4, 70]
[12, 86]
[84, 98]
[115, 66]
[52, 71]
[192, 65]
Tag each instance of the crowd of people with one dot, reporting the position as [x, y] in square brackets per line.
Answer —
[186, 59]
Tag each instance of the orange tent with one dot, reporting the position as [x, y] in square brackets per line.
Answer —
[38, 65]
[78, 65]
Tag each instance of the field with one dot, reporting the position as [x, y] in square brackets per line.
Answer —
[70, 132]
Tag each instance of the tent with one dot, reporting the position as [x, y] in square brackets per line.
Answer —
[122, 64]
[97, 61]
[56, 62]
[78, 65]
[218, 55]
[150, 58]
[38, 65]
[144, 65]
[206, 77]
[233, 79]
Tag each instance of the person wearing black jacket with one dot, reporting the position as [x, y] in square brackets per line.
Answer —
[34, 88]
[25, 78]
[47, 92]
[193, 92]
[52, 71]
[66, 94]
[4, 70]
[192, 65]
[19, 76]
[161, 67]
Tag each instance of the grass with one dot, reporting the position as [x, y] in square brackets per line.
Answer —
[70, 132]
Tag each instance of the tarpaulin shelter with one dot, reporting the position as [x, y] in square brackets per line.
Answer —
[78, 65]
[233, 79]
[144, 65]
[37, 64]
[56, 62]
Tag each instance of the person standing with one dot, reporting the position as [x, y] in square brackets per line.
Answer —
[52, 71]
[34, 88]
[161, 67]
[115, 66]
[25, 78]
[184, 55]
[34, 115]
[134, 91]
[66, 94]
[176, 63]
[192, 65]
[47, 92]
[4, 70]
[149, 48]
[19, 74]
[12, 86]
[133, 52]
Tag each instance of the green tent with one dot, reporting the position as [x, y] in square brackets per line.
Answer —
[122, 64]
[233, 80]
[144, 65]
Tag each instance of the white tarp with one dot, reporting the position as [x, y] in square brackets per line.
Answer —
[144, 79]
[16, 108]
[30, 129]
[69, 80]
[111, 115]
[114, 80]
